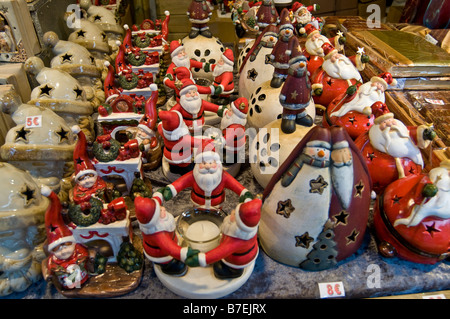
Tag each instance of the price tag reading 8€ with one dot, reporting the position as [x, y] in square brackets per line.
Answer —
[331, 289]
[33, 121]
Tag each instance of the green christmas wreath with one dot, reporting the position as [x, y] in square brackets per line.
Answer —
[142, 42]
[85, 218]
[103, 155]
[134, 61]
[128, 84]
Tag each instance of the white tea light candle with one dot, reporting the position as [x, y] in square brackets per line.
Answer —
[203, 235]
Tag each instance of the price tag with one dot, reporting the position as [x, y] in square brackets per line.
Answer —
[33, 121]
[331, 289]
[434, 101]
[438, 296]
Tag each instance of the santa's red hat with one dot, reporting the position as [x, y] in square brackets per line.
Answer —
[187, 84]
[240, 107]
[82, 162]
[381, 112]
[285, 20]
[328, 50]
[57, 231]
[127, 39]
[206, 152]
[148, 121]
[175, 47]
[385, 79]
[248, 214]
[148, 211]
[109, 87]
[228, 56]
[310, 30]
[296, 6]
[321, 137]
[172, 125]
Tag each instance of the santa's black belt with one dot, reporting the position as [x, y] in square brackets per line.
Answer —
[208, 197]
[193, 118]
[244, 253]
[218, 83]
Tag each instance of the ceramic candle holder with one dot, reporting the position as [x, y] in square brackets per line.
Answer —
[199, 228]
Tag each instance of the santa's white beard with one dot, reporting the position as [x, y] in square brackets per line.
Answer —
[208, 180]
[231, 228]
[366, 96]
[304, 18]
[219, 69]
[314, 47]
[191, 104]
[342, 68]
[184, 61]
[161, 224]
[395, 141]
[437, 206]
[228, 120]
[342, 179]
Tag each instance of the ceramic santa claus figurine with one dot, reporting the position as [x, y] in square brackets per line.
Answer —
[295, 96]
[313, 49]
[337, 74]
[208, 180]
[316, 206]
[178, 143]
[68, 260]
[266, 15]
[182, 73]
[391, 149]
[283, 50]
[233, 131]
[159, 238]
[222, 71]
[302, 17]
[147, 135]
[238, 247]
[199, 14]
[412, 217]
[180, 58]
[192, 106]
[354, 111]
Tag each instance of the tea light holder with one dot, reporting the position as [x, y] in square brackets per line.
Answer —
[199, 228]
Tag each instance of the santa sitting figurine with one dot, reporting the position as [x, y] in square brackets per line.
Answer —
[192, 106]
[233, 131]
[302, 17]
[337, 74]
[238, 247]
[159, 238]
[412, 217]
[354, 111]
[391, 149]
[70, 262]
[222, 71]
[208, 181]
[313, 49]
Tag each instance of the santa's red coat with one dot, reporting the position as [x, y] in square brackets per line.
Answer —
[314, 62]
[161, 246]
[81, 194]
[224, 80]
[200, 197]
[170, 82]
[197, 120]
[234, 136]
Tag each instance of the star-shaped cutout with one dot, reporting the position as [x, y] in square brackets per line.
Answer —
[267, 59]
[66, 58]
[359, 189]
[104, 36]
[285, 208]
[22, 134]
[352, 120]
[97, 18]
[252, 74]
[28, 194]
[352, 237]
[45, 90]
[63, 134]
[303, 241]
[396, 200]
[371, 156]
[92, 59]
[318, 185]
[330, 82]
[78, 92]
[52, 228]
[81, 34]
[341, 218]
[431, 229]
[79, 160]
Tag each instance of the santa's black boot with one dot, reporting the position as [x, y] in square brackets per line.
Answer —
[288, 125]
[305, 120]
[222, 271]
[174, 267]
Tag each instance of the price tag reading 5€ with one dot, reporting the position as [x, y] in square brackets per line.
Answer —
[33, 121]
[331, 289]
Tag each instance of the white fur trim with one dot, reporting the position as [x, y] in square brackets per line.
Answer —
[207, 156]
[240, 266]
[202, 260]
[46, 191]
[173, 190]
[237, 111]
[75, 129]
[183, 254]
[153, 87]
[249, 231]
[159, 196]
[339, 145]
[126, 27]
[60, 241]
[167, 12]
[187, 88]
[316, 86]
[84, 172]
[245, 190]
[112, 96]
[158, 260]
[383, 117]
